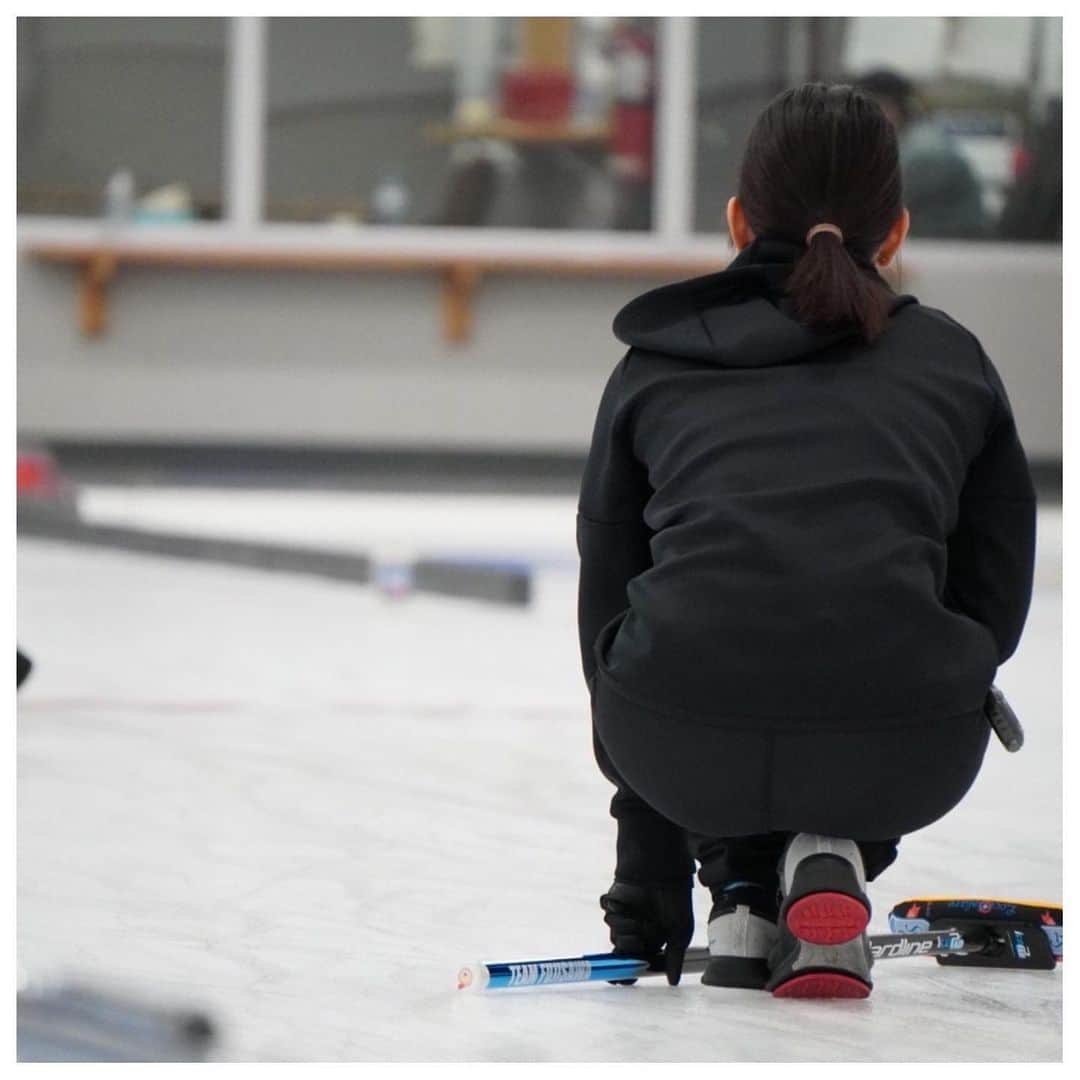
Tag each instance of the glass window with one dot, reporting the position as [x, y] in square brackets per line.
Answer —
[741, 65]
[520, 122]
[977, 102]
[120, 112]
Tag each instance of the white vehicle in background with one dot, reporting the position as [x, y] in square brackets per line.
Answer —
[991, 143]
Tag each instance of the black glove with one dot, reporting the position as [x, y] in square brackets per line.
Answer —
[653, 922]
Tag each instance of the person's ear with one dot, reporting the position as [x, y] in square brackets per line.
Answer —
[741, 233]
[897, 235]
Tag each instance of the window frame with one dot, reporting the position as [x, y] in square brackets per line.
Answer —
[244, 181]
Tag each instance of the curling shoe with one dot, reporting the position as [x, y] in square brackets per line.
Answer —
[742, 932]
[823, 950]
[801, 970]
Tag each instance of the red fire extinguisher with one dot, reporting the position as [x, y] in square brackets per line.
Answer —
[635, 104]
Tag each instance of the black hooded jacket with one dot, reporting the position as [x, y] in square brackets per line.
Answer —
[796, 530]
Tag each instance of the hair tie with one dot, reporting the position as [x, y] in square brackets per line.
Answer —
[825, 227]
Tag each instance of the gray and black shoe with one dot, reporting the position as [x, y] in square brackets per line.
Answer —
[742, 933]
[802, 970]
[823, 949]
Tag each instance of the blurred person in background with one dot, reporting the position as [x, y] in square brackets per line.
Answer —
[1033, 208]
[941, 189]
[807, 531]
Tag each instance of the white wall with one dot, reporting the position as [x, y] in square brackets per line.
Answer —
[359, 359]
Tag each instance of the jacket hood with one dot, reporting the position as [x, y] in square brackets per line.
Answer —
[739, 317]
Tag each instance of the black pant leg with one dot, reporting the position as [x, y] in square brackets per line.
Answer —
[648, 847]
[878, 855]
[727, 860]
[22, 667]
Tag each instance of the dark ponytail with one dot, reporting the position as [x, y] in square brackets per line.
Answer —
[817, 155]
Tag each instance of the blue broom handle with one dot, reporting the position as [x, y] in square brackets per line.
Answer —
[593, 967]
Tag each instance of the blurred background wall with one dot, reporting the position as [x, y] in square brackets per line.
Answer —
[274, 212]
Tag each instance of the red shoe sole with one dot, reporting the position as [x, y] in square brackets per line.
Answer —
[823, 984]
[827, 918]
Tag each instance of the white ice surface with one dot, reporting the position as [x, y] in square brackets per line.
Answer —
[304, 805]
